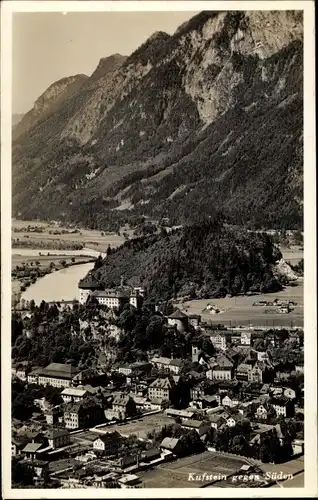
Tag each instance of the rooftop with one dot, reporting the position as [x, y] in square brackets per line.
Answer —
[32, 447]
[169, 443]
[89, 283]
[55, 433]
[195, 424]
[177, 314]
[121, 399]
[58, 370]
[113, 293]
[73, 391]
[108, 436]
[176, 362]
[161, 383]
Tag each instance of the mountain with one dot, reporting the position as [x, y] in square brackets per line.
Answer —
[16, 118]
[207, 119]
[200, 261]
[50, 102]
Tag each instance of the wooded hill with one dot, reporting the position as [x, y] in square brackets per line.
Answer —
[200, 261]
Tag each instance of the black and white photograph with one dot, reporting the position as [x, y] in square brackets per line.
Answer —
[158, 202]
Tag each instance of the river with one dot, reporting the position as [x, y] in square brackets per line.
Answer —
[59, 285]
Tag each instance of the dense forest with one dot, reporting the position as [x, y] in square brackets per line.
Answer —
[200, 261]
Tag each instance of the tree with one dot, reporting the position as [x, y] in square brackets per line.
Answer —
[98, 262]
[22, 474]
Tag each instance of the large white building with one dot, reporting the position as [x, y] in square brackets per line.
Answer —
[112, 298]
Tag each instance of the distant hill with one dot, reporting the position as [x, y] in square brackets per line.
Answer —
[201, 261]
[210, 118]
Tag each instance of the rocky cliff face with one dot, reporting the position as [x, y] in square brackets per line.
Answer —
[208, 118]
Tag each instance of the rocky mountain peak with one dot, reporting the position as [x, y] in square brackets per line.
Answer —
[49, 102]
[176, 126]
[107, 65]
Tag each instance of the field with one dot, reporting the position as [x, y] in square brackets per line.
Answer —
[293, 254]
[45, 260]
[96, 240]
[176, 474]
[239, 311]
[142, 426]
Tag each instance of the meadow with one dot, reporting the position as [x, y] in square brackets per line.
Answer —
[48, 235]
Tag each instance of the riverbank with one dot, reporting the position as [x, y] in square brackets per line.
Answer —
[59, 285]
[27, 270]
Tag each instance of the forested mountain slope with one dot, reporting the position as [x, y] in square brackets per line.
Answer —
[208, 118]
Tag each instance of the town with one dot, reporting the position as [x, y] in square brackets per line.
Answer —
[114, 391]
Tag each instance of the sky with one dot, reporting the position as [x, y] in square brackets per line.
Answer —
[50, 46]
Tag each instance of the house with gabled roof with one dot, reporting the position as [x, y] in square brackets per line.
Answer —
[222, 369]
[173, 445]
[107, 443]
[58, 437]
[234, 419]
[31, 449]
[199, 426]
[161, 388]
[216, 420]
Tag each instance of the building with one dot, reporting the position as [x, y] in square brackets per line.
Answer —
[261, 412]
[195, 354]
[73, 394]
[31, 449]
[216, 421]
[161, 363]
[232, 420]
[179, 320]
[173, 445]
[246, 338]
[175, 366]
[222, 370]
[255, 374]
[168, 365]
[298, 446]
[183, 414]
[113, 298]
[230, 402]
[107, 443]
[123, 406]
[150, 455]
[219, 340]
[161, 388]
[129, 481]
[86, 287]
[58, 438]
[55, 374]
[194, 320]
[21, 370]
[136, 368]
[284, 407]
[125, 369]
[76, 416]
[52, 415]
[199, 426]
[17, 446]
